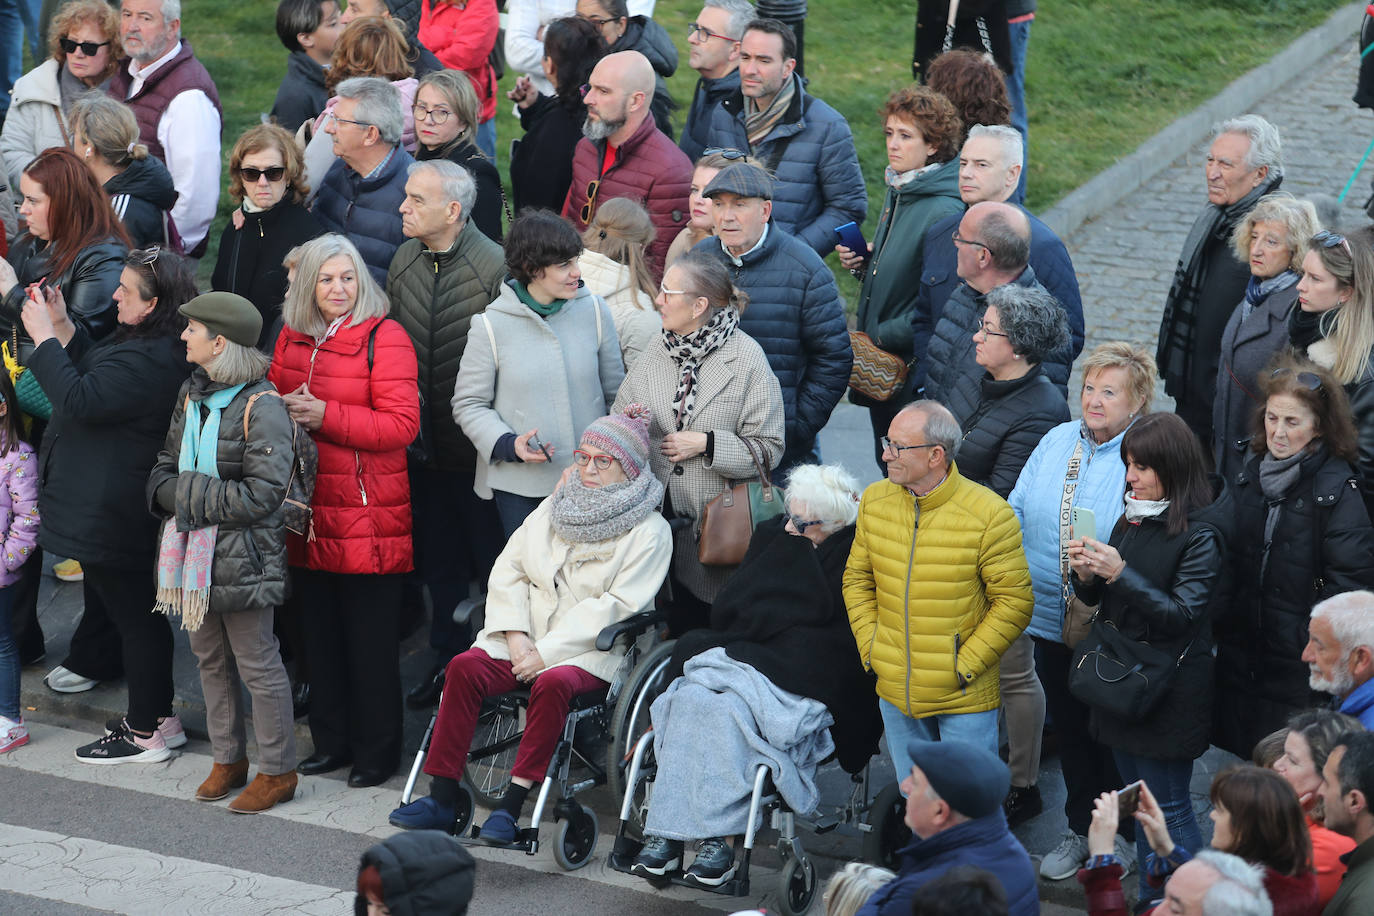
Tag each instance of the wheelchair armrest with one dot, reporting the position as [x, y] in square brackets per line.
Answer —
[469, 608]
[631, 626]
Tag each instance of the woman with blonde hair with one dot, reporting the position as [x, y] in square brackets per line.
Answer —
[701, 221]
[267, 182]
[614, 267]
[105, 135]
[85, 50]
[850, 887]
[445, 113]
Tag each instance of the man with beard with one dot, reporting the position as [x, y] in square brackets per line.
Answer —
[1346, 792]
[623, 154]
[1340, 652]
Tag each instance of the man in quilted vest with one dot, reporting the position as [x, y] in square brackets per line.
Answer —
[937, 588]
[178, 110]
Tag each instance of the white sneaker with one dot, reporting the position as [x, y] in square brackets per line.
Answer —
[13, 734]
[1125, 854]
[63, 680]
[1066, 859]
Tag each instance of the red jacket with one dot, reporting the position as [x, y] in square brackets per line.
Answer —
[648, 168]
[1291, 896]
[362, 494]
[462, 34]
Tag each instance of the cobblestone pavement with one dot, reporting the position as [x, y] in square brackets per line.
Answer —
[1125, 259]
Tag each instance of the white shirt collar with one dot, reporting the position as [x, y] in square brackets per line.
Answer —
[739, 261]
[140, 74]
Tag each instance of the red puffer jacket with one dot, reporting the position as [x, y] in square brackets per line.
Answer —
[362, 493]
[461, 34]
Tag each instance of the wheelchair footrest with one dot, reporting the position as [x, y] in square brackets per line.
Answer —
[527, 841]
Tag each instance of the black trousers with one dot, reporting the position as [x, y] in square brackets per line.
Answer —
[355, 667]
[27, 632]
[125, 599]
[1089, 768]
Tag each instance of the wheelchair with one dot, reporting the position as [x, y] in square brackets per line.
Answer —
[600, 732]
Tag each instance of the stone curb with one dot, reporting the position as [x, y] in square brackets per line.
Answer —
[1156, 154]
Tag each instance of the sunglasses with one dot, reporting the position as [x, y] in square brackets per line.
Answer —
[602, 462]
[590, 206]
[724, 152]
[1329, 239]
[252, 176]
[799, 523]
[1309, 380]
[88, 48]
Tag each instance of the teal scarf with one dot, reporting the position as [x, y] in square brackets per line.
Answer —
[539, 308]
[185, 558]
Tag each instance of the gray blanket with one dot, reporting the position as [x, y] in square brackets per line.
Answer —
[713, 727]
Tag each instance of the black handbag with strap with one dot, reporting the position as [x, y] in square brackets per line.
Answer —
[1121, 676]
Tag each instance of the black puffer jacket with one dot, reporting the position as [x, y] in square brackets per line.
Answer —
[250, 259]
[142, 195]
[1322, 546]
[486, 212]
[1167, 596]
[650, 39]
[302, 94]
[111, 402]
[88, 285]
[434, 296]
[249, 571]
[424, 873]
[1006, 426]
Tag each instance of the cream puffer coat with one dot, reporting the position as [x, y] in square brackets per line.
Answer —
[937, 589]
[637, 322]
[563, 593]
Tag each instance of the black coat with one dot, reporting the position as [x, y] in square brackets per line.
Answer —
[88, 285]
[142, 195]
[250, 259]
[1006, 426]
[1323, 545]
[302, 94]
[1167, 597]
[783, 613]
[541, 162]
[111, 403]
[486, 212]
[424, 873]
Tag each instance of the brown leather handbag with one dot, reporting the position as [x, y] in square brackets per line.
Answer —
[729, 520]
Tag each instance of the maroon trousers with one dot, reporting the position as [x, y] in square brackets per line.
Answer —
[473, 675]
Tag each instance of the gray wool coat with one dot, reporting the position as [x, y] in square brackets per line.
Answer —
[738, 397]
[1246, 349]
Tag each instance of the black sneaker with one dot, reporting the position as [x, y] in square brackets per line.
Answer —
[658, 857]
[123, 746]
[714, 864]
[1021, 804]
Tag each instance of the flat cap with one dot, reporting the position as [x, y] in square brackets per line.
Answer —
[743, 180]
[972, 779]
[228, 314]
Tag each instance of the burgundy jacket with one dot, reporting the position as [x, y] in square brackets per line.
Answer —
[180, 74]
[648, 168]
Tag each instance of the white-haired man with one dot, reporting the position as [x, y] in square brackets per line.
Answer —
[177, 107]
[1244, 163]
[1340, 652]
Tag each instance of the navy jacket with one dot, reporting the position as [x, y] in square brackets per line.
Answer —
[365, 209]
[708, 95]
[302, 94]
[795, 315]
[811, 153]
[939, 278]
[984, 843]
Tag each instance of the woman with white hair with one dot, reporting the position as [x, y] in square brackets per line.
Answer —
[780, 624]
[348, 375]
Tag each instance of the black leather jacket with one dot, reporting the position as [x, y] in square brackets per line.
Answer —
[88, 285]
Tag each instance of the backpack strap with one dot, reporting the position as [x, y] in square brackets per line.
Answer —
[491, 337]
[249, 406]
[598, 322]
[372, 346]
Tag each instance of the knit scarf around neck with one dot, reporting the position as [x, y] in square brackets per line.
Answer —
[539, 308]
[689, 350]
[185, 558]
[757, 124]
[1137, 509]
[1257, 290]
[1276, 477]
[581, 514]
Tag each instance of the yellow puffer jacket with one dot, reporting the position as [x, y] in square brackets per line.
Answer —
[933, 613]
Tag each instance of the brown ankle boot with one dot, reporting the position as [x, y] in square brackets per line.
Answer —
[265, 792]
[223, 777]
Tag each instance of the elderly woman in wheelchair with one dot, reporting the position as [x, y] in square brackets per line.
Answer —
[592, 554]
[775, 680]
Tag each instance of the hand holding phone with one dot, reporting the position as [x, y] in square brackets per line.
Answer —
[1084, 525]
[852, 237]
[1128, 800]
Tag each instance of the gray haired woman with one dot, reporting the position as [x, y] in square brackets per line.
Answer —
[1272, 239]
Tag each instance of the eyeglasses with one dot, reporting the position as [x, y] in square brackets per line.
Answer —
[958, 240]
[1309, 380]
[894, 448]
[363, 124]
[1329, 239]
[725, 152]
[423, 113]
[582, 458]
[705, 33]
[253, 176]
[986, 330]
[595, 20]
[590, 206]
[670, 292]
[89, 48]
[799, 523]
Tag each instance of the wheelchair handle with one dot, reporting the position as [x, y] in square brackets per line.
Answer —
[632, 626]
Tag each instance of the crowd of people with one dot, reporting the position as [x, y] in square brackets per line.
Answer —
[405, 380]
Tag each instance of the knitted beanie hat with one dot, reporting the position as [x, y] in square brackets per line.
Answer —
[624, 435]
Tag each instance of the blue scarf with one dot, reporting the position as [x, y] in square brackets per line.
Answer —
[185, 558]
[1257, 290]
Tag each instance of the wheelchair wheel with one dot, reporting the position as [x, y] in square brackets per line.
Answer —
[890, 833]
[630, 719]
[796, 886]
[494, 744]
[575, 840]
[463, 812]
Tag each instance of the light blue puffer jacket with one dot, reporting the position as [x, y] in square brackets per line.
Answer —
[1036, 499]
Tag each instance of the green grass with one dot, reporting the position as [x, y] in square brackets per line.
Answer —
[1103, 75]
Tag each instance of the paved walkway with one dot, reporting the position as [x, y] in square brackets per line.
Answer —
[1125, 259]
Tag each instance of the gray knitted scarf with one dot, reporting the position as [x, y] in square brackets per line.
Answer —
[1276, 477]
[583, 514]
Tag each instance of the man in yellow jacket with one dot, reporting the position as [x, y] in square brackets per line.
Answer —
[937, 588]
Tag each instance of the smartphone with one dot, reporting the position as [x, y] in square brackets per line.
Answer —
[1084, 523]
[535, 443]
[1128, 799]
[852, 237]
